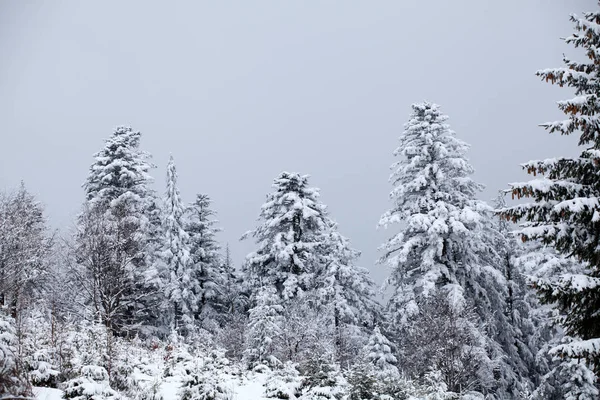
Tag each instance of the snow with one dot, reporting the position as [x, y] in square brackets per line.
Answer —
[42, 393]
[251, 387]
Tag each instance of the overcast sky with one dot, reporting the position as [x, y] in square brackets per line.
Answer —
[238, 91]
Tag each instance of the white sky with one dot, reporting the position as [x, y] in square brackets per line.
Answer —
[238, 91]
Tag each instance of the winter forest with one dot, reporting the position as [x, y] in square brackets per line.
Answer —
[482, 300]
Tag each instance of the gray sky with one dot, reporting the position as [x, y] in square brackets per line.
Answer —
[238, 91]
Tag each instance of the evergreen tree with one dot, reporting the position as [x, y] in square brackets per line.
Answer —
[290, 237]
[345, 290]
[112, 233]
[264, 328]
[446, 341]
[446, 240]
[182, 288]
[346, 286]
[25, 248]
[565, 211]
[13, 382]
[560, 377]
[205, 251]
[520, 344]
[232, 299]
[379, 353]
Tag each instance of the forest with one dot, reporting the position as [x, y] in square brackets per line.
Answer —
[482, 301]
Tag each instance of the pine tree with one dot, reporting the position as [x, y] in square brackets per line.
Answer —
[264, 328]
[560, 377]
[446, 240]
[379, 353]
[435, 199]
[205, 251]
[232, 299]
[183, 287]
[112, 233]
[292, 227]
[520, 344]
[565, 212]
[25, 248]
[13, 382]
[346, 289]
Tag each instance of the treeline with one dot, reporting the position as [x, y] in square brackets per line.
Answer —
[480, 307]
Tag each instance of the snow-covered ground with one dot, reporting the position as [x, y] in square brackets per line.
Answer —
[47, 393]
[248, 388]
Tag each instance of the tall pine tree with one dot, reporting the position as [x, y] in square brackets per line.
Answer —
[205, 253]
[182, 286]
[112, 233]
[444, 246]
[565, 212]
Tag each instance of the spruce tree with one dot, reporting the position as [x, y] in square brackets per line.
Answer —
[379, 352]
[264, 328]
[182, 287]
[112, 233]
[205, 251]
[25, 247]
[347, 290]
[13, 380]
[445, 243]
[292, 227]
[565, 212]
[346, 285]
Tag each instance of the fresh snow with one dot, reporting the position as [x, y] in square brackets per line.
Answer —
[251, 387]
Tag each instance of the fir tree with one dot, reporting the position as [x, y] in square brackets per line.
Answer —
[379, 353]
[345, 285]
[347, 291]
[565, 212]
[112, 232]
[446, 240]
[205, 251]
[292, 227]
[264, 328]
[25, 248]
[13, 382]
[182, 286]
[232, 299]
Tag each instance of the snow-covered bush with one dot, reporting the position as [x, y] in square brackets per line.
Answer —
[284, 383]
[202, 381]
[91, 384]
[324, 381]
[362, 382]
[42, 371]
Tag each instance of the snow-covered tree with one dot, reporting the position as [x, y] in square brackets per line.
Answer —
[182, 287]
[346, 289]
[292, 226]
[445, 240]
[232, 299]
[519, 331]
[565, 210]
[264, 328]
[445, 340]
[434, 198]
[13, 382]
[379, 352]
[205, 251]
[112, 233]
[325, 382]
[25, 248]
[560, 377]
